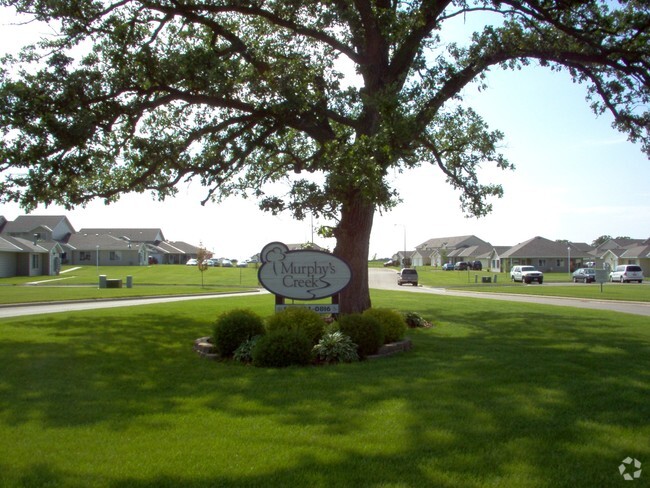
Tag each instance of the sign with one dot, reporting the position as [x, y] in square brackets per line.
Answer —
[323, 308]
[602, 276]
[302, 274]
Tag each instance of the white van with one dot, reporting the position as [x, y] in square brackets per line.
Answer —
[626, 273]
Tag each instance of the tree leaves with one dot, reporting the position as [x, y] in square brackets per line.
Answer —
[138, 96]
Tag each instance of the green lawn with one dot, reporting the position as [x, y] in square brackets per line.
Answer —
[82, 283]
[496, 394]
[472, 281]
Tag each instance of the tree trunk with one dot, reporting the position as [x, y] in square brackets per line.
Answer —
[352, 245]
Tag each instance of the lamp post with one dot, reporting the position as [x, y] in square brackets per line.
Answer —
[97, 257]
[569, 262]
[404, 259]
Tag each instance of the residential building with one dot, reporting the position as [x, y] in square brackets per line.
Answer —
[440, 250]
[545, 255]
[615, 252]
[21, 257]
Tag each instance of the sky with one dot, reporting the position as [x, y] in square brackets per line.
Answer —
[576, 178]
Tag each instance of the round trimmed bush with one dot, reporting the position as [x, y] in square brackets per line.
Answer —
[392, 323]
[364, 330]
[234, 327]
[281, 348]
[297, 318]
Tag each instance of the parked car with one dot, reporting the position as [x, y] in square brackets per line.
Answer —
[226, 263]
[448, 267]
[586, 275]
[242, 264]
[408, 275]
[626, 273]
[526, 274]
[476, 265]
[388, 263]
[211, 262]
[192, 262]
[461, 266]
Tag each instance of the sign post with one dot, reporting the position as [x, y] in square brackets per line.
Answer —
[303, 275]
[602, 275]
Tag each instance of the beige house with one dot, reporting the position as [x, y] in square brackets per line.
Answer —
[20, 257]
[104, 250]
[545, 255]
[35, 245]
[441, 250]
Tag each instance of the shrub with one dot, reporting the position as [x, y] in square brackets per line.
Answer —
[336, 347]
[297, 318]
[234, 327]
[281, 348]
[414, 319]
[392, 323]
[364, 330]
[244, 353]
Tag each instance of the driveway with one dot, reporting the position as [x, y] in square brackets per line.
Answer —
[385, 279]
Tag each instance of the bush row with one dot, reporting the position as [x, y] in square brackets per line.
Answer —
[300, 336]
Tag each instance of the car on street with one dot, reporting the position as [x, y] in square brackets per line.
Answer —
[407, 276]
[586, 275]
[625, 273]
[526, 274]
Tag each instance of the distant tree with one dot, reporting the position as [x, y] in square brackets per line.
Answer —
[624, 237]
[136, 96]
[601, 240]
[202, 256]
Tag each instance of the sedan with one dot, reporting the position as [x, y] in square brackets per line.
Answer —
[586, 275]
[448, 267]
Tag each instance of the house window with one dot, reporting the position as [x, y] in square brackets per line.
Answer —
[35, 261]
[541, 263]
[115, 256]
[84, 256]
[559, 263]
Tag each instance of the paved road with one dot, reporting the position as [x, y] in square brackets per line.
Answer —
[385, 279]
[39, 309]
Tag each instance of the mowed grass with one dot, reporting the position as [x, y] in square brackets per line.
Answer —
[81, 283]
[496, 394]
[555, 284]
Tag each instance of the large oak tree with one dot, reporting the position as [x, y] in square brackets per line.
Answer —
[141, 95]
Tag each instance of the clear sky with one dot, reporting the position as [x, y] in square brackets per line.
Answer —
[576, 178]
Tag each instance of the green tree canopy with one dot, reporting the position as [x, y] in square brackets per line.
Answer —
[136, 96]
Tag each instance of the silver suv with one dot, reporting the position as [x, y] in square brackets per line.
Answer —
[526, 274]
[626, 273]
